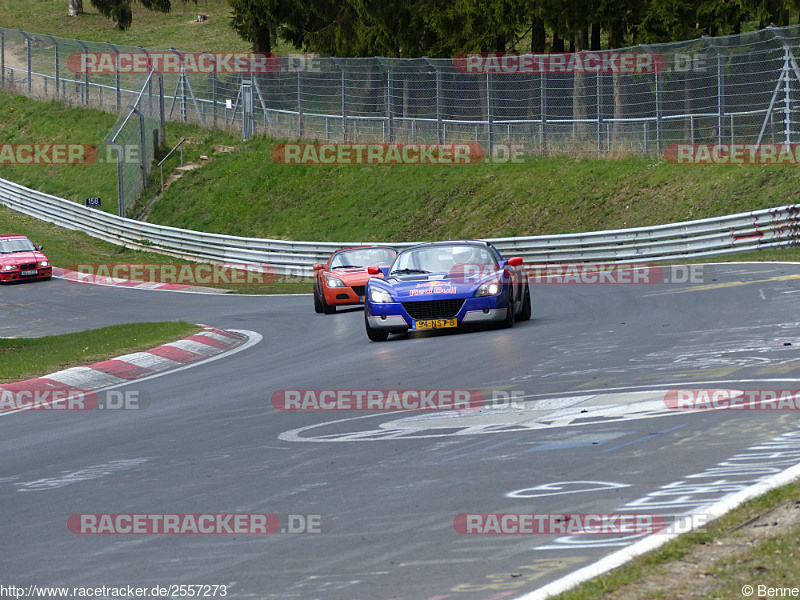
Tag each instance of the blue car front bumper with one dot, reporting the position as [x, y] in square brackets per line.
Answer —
[400, 316]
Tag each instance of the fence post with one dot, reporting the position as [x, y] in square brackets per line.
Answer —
[28, 52]
[247, 109]
[787, 100]
[720, 98]
[344, 104]
[543, 106]
[389, 122]
[161, 109]
[120, 186]
[214, 95]
[116, 70]
[143, 146]
[659, 117]
[85, 91]
[599, 111]
[489, 114]
[789, 65]
[2, 58]
[300, 119]
[389, 104]
[58, 85]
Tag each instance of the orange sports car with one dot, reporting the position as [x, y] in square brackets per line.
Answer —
[341, 281]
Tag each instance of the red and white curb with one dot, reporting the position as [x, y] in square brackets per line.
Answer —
[208, 345]
[90, 279]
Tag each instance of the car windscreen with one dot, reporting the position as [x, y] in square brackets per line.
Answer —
[443, 259]
[10, 245]
[364, 257]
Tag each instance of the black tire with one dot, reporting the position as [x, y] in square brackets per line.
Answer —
[326, 308]
[376, 335]
[509, 320]
[317, 302]
[525, 313]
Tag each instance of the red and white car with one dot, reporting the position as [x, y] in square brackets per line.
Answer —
[21, 260]
[341, 280]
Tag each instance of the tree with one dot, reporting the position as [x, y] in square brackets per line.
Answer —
[120, 10]
[75, 8]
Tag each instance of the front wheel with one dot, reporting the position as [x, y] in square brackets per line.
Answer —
[376, 335]
[326, 308]
[317, 302]
[509, 320]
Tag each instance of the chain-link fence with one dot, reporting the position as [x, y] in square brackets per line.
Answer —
[735, 89]
[136, 137]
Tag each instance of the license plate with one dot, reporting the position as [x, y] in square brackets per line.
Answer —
[435, 323]
[361, 299]
[28, 273]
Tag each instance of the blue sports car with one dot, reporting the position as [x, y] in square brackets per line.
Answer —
[446, 284]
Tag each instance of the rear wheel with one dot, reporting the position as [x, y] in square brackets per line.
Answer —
[525, 313]
[376, 335]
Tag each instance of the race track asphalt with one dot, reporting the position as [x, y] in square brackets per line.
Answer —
[590, 433]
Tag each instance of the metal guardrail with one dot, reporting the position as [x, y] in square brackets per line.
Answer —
[769, 228]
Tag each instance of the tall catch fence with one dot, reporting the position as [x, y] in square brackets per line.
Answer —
[735, 89]
[136, 137]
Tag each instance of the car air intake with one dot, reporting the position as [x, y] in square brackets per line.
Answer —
[434, 309]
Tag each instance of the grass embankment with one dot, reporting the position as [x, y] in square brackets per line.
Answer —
[755, 544]
[153, 30]
[24, 358]
[244, 192]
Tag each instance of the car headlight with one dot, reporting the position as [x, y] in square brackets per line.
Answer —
[8, 267]
[44, 263]
[490, 288]
[334, 282]
[379, 296]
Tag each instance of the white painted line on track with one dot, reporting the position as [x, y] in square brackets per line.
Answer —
[684, 525]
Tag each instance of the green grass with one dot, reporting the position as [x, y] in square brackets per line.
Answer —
[246, 193]
[24, 358]
[779, 554]
[152, 30]
[65, 247]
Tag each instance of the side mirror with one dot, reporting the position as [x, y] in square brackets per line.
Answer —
[39, 247]
[374, 270]
[515, 261]
[317, 267]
